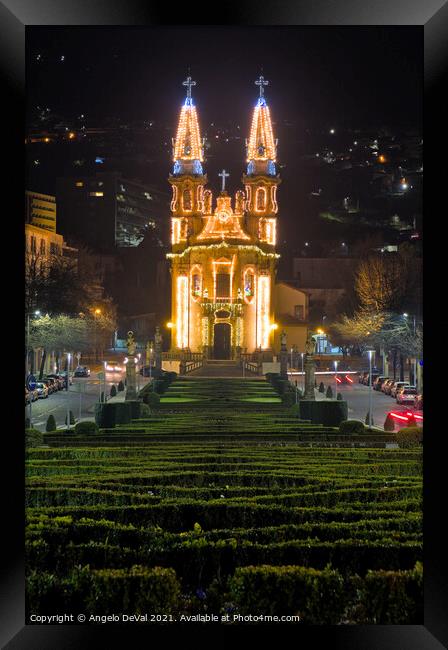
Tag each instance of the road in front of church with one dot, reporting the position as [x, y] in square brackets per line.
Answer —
[357, 397]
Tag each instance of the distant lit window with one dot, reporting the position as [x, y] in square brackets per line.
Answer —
[79, 184]
[99, 160]
[96, 193]
[147, 196]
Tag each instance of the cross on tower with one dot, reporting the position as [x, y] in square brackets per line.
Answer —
[261, 82]
[189, 83]
[223, 175]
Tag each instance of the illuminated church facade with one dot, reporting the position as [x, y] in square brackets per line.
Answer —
[223, 255]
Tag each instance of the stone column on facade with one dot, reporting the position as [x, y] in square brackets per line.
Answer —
[158, 348]
[131, 377]
[283, 357]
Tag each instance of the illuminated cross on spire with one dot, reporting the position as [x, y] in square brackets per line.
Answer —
[223, 175]
[261, 82]
[189, 83]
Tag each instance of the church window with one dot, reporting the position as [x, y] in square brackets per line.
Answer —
[299, 312]
[261, 199]
[187, 199]
[223, 285]
[249, 285]
[196, 284]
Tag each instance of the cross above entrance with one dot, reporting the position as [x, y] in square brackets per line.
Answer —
[189, 83]
[261, 82]
[223, 175]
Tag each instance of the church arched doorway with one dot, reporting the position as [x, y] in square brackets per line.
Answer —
[221, 341]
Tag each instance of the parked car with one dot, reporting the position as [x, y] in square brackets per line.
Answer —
[379, 381]
[82, 371]
[387, 386]
[406, 395]
[396, 386]
[50, 384]
[418, 402]
[362, 375]
[64, 377]
[42, 390]
[59, 379]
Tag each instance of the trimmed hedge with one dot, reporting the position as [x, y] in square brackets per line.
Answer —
[393, 597]
[409, 437]
[330, 414]
[152, 400]
[352, 426]
[33, 438]
[317, 596]
[87, 428]
[138, 589]
[51, 423]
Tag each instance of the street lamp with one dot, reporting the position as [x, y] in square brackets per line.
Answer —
[97, 312]
[138, 370]
[150, 365]
[292, 349]
[302, 354]
[67, 388]
[370, 387]
[336, 378]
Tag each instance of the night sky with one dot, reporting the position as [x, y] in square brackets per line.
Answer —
[319, 78]
[336, 75]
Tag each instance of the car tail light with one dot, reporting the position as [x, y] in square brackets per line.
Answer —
[349, 379]
[339, 381]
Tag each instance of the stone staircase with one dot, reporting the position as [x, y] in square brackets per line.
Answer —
[218, 368]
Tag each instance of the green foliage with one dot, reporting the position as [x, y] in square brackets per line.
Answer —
[389, 424]
[145, 410]
[321, 412]
[160, 386]
[51, 423]
[33, 438]
[329, 393]
[113, 390]
[152, 400]
[105, 415]
[318, 596]
[71, 418]
[355, 427]
[408, 437]
[86, 428]
[393, 597]
[120, 385]
[321, 387]
[137, 589]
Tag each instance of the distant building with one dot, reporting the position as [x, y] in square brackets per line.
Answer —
[325, 281]
[107, 211]
[291, 315]
[41, 210]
